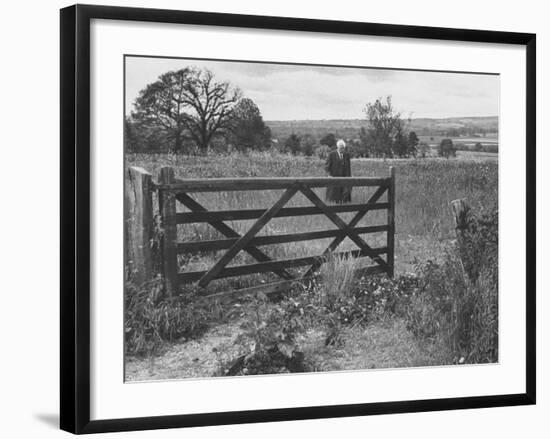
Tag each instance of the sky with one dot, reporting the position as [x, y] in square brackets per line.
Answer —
[296, 92]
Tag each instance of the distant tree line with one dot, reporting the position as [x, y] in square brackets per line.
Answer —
[385, 134]
[189, 111]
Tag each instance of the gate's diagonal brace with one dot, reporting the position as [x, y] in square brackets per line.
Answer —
[228, 232]
[247, 237]
[355, 220]
[346, 228]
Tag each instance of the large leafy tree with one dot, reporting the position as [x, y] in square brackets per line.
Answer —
[187, 103]
[248, 130]
[383, 125]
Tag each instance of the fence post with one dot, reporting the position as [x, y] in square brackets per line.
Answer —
[391, 223]
[139, 224]
[167, 205]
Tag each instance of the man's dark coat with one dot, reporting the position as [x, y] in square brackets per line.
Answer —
[338, 167]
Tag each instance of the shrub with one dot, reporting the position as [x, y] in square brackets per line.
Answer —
[456, 312]
[270, 339]
[478, 242]
[447, 148]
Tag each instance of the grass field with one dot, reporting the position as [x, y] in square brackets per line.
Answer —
[424, 189]
[424, 229]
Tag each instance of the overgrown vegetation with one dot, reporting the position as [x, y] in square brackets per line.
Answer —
[454, 312]
[447, 305]
[150, 319]
[444, 304]
[269, 339]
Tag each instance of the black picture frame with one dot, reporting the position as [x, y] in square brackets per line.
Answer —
[75, 217]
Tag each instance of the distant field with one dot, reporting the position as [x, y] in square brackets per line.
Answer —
[477, 156]
[424, 190]
[349, 128]
[461, 142]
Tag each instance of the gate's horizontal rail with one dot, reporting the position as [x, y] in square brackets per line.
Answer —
[245, 214]
[248, 184]
[275, 287]
[261, 267]
[221, 244]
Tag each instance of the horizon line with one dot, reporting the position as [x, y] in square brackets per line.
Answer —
[359, 118]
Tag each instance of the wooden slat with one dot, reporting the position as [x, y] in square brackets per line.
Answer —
[221, 244]
[275, 287]
[246, 184]
[262, 267]
[167, 203]
[244, 240]
[312, 196]
[269, 288]
[354, 221]
[390, 236]
[245, 214]
[224, 229]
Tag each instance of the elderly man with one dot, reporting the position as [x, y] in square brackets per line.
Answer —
[338, 165]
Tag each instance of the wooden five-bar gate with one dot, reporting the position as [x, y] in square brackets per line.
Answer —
[172, 191]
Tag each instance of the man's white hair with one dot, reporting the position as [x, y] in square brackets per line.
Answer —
[341, 143]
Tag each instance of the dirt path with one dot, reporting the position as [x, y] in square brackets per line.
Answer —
[381, 345]
[194, 358]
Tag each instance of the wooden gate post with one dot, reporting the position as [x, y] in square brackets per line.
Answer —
[390, 243]
[139, 224]
[167, 205]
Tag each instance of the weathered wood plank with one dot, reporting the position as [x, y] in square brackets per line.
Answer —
[262, 267]
[275, 287]
[167, 205]
[245, 214]
[245, 239]
[139, 223]
[269, 288]
[354, 221]
[224, 229]
[221, 244]
[246, 184]
[312, 196]
[390, 235]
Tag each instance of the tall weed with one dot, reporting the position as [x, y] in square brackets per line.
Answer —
[338, 275]
[151, 319]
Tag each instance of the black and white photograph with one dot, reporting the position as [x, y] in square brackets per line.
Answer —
[297, 218]
[275, 219]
